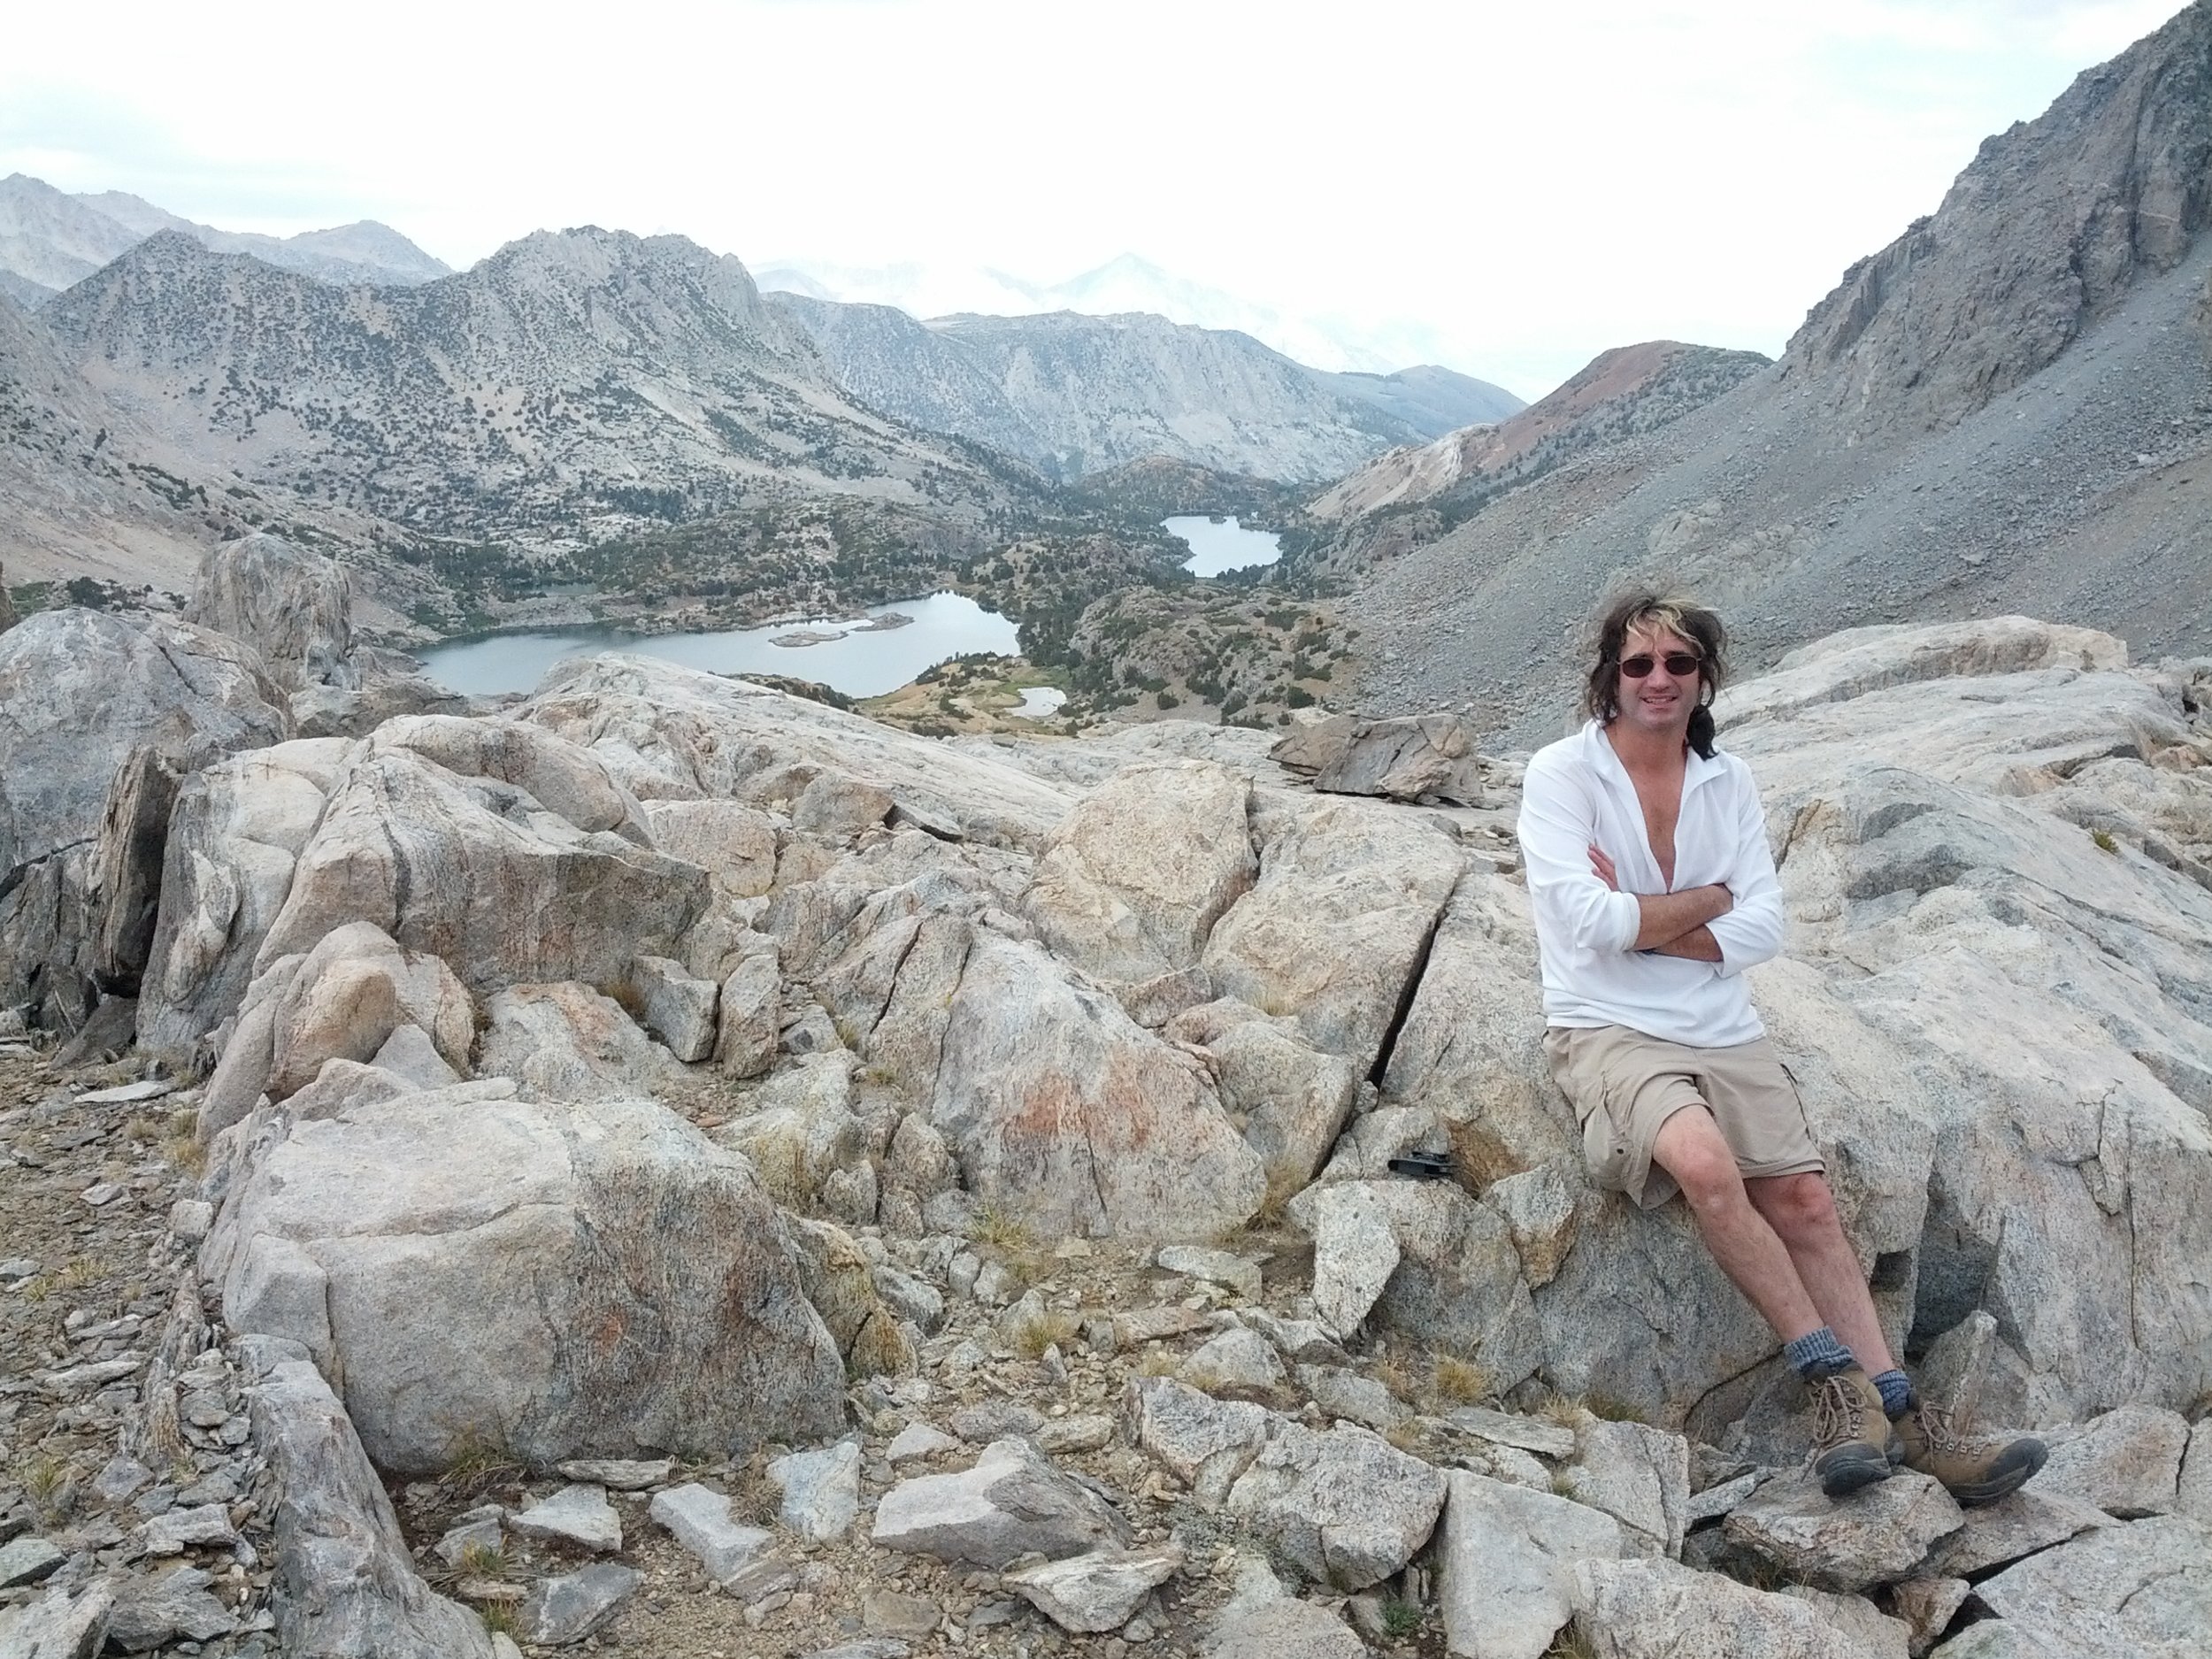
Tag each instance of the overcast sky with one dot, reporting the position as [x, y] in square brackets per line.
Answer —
[1528, 184]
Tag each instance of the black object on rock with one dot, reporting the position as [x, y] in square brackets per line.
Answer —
[1428, 1166]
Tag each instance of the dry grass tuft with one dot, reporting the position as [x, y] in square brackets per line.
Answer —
[1031, 1337]
[1569, 1411]
[1571, 1643]
[1613, 1408]
[1459, 1382]
[1159, 1362]
[477, 1463]
[1405, 1436]
[1000, 1227]
[484, 1561]
[1394, 1377]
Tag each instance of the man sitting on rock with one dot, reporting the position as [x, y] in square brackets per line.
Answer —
[1653, 890]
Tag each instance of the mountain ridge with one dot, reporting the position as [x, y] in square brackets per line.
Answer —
[570, 374]
[50, 239]
[1077, 395]
[2009, 407]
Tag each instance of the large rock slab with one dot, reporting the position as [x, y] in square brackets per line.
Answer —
[82, 689]
[2127, 1463]
[668, 733]
[1207, 1443]
[1292, 1098]
[1638, 1475]
[353, 991]
[821, 1490]
[1427, 758]
[2018, 1525]
[68, 1622]
[1880, 1535]
[1058, 1105]
[293, 607]
[556, 1280]
[235, 833]
[1332, 933]
[1285, 1628]
[569, 1043]
[1355, 1250]
[578, 1515]
[507, 889]
[344, 1588]
[567, 1608]
[1133, 881]
[1346, 1506]
[735, 844]
[1505, 1577]
[2143, 1591]
[1011, 1501]
[1649, 1609]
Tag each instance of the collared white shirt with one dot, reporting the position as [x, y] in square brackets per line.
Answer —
[1576, 792]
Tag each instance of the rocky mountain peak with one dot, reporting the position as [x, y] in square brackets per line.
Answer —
[621, 263]
[2048, 227]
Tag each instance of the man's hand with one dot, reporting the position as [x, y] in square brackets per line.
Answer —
[1697, 945]
[1603, 865]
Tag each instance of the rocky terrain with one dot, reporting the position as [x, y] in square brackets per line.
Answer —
[1075, 396]
[2008, 407]
[664, 1165]
[1622, 393]
[49, 240]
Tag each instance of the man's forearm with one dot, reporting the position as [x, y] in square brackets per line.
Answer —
[1667, 916]
[1698, 945]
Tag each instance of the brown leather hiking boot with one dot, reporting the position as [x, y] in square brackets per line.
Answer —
[1974, 1468]
[1850, 1432]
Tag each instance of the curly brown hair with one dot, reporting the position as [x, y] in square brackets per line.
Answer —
[1684, 618]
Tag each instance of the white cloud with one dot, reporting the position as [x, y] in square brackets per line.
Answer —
[1532, 186]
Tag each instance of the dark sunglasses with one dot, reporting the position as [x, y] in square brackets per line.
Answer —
[1681, 664]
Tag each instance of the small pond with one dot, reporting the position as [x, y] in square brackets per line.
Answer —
[847, 654]
[1223, 544]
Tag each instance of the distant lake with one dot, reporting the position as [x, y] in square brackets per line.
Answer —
[864, 662]
[1226, 546]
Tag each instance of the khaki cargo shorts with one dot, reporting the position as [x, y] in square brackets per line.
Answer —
[1624, 1085]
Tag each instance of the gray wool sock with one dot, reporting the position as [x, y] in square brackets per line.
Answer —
[1896, 1392]
[1817, 1354]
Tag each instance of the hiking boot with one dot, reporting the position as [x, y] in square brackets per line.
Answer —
[1850, 1432]
[1974, 1470]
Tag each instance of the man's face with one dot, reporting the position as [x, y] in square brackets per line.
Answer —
[1659, 701]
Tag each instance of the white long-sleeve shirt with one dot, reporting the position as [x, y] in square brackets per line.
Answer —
[1577, 793]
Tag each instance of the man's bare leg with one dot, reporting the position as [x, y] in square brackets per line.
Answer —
[1689, 1146]
[1801, 1211]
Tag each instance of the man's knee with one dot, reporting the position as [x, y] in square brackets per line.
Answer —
[1690, 1148]
[1796, 1206]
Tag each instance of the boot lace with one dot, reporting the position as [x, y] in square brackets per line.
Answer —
[1835, 1412]
[1942, 1431]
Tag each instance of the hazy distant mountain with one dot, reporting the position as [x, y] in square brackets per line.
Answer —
[49, 240]
[569, 374]
[1076, 394]
[1122, 285]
